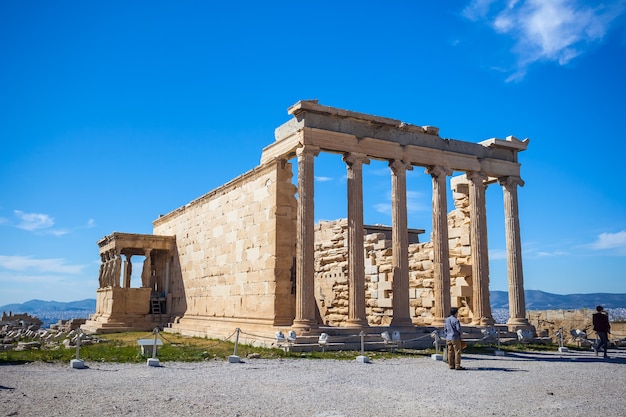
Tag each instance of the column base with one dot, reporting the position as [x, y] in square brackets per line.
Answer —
[484, 322]
[518, 323]
[403, 323]
[358, 323]
[304, 325]
[438, 322]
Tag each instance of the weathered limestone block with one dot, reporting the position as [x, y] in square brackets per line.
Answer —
[461, 270]
[383, 244]
[461, 291]
[371, 270]
[378, 267]
[385, 302]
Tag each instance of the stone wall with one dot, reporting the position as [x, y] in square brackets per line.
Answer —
[548, 322]
[331, 269]
[235, 250]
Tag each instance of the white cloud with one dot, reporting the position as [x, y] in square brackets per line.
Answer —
[415, 202]
[22, 286]
[323, 179]
[532, 250]
[477, 9]
[38, 222]
[546, 254]
[26, 263]
[91, 223]
[497, 254]
[547, 30]
[384, 208]
[33, 221]
[611, 241]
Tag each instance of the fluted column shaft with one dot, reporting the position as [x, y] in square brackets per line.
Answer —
[356, 260]
[128, 271]
[400, 245]
[305, 246]
[440, 244]
[517, 301]
[480, 250]
[147, 269]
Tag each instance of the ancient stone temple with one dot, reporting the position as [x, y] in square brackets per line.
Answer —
[249, 255]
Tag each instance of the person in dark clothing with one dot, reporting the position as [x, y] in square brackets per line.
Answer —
[452, 327]
[602, 327]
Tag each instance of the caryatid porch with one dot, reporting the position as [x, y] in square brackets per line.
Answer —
[360, 138]
[118, 304]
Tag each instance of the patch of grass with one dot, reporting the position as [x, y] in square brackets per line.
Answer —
[123, 348]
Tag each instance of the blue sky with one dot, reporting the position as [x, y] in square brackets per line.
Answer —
[112, 113]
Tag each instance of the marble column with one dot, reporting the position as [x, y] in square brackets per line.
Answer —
[480, 250]
[128, 271]
[356, 258]
[441, 249]
[117, 269]
[400, 245]
[305, 246]
[147, 269]
[517, 302]
[109, 267]
[102, 272]
[168, 263]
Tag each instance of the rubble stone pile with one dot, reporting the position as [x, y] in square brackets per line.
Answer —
[23, 332]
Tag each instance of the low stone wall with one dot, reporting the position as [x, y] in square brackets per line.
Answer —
[331, 275]
[548, 322]
[331, 269]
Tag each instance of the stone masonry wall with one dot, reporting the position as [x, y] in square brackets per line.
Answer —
[549, 322]
[235, 252]
[331, 270]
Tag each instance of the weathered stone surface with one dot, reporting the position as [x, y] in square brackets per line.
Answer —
[243, 254]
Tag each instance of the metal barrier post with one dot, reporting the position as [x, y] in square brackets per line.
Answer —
[362, 358]
[77, 363]
[153, 361]
[234, 358]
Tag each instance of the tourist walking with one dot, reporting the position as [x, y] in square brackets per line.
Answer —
[602, 327]
[452, 327]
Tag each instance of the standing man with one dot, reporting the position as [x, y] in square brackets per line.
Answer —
[452, 327]
[602, 327]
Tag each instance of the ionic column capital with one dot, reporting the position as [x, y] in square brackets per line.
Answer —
[438, 171]
[353, 158]
[510, 181]
[476, 177]
[307, 150]
[398, 165]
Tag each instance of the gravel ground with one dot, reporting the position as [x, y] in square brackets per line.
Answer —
[520, 384]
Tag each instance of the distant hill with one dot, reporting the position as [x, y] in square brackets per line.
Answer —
[39, 305]
[539, 300]
[50, 312]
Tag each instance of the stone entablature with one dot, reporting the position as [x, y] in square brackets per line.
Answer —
[343, 131]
